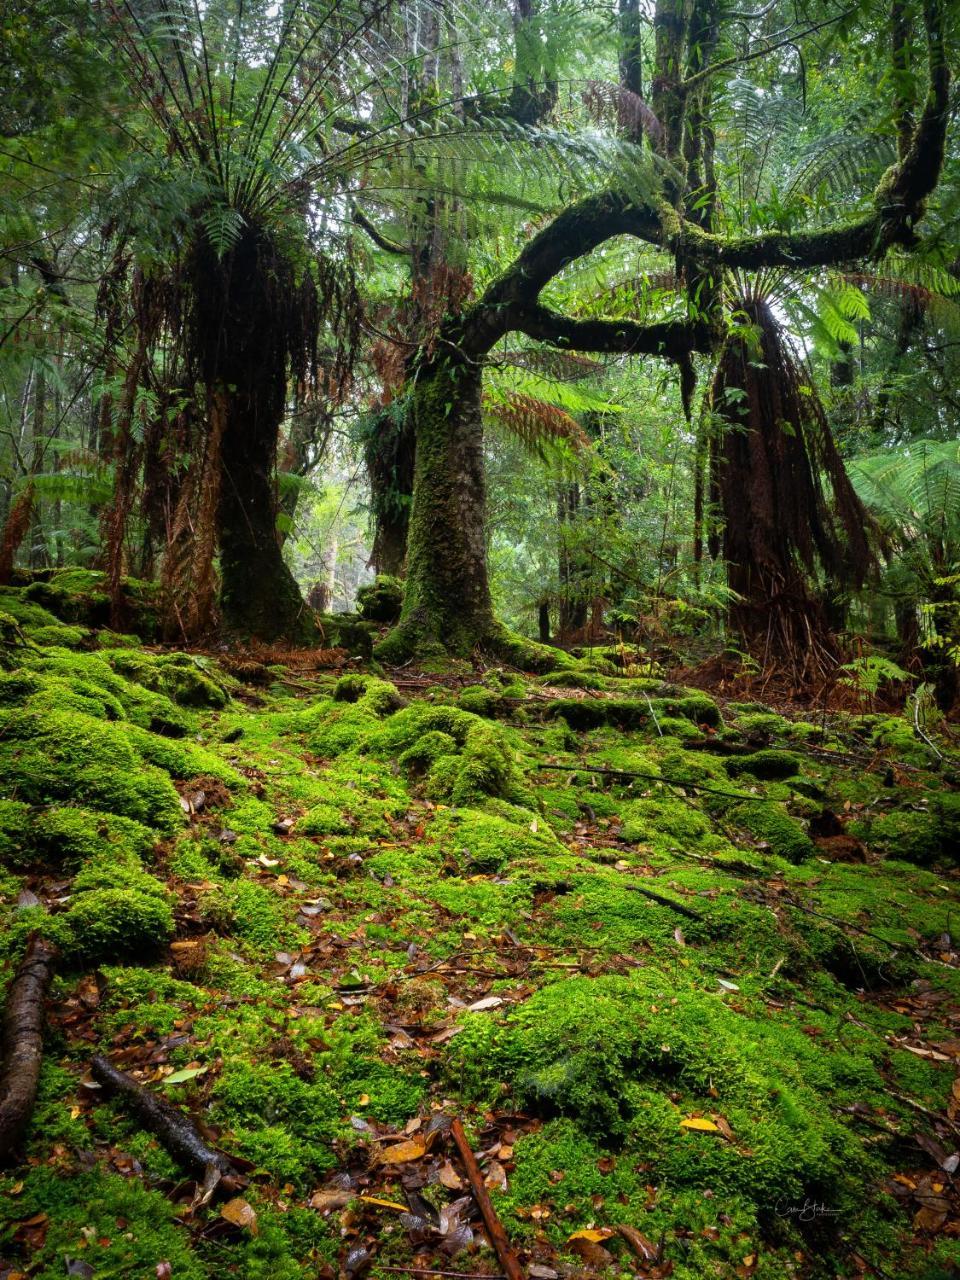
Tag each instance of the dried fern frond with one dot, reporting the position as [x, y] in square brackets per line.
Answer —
[609, 103]
[535, 423]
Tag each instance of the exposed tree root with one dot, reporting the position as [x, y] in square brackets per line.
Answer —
[23, 1042]
[174, 1130]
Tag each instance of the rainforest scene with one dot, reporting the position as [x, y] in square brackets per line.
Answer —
[479, 639]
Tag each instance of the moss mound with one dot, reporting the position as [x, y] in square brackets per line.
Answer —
[632, 1060]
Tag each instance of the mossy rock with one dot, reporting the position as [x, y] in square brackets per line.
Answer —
[349, 631]
[924, 837]
[573, 680]
[105, 923]
[481, 701]
[186, 680]
[629, 1059]
[769, 822]
[764, 764]
[69, 755]
[380, 600]
[60, 635]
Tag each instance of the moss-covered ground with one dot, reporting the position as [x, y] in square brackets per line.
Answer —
[685, 969]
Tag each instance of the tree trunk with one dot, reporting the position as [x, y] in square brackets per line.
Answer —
[246, 332]
[258, 595]
[447, 606]
[390, 456]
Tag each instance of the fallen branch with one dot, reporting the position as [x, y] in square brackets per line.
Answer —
[498, 1237]
[174, 1130]
[651, 777]
[664, 901]
[23, 1042]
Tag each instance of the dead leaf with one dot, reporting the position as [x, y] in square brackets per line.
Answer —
[592, 1234]
[700, 1124]
[489, 1002]
[324, 1201]
[645, 1249]
[449, 1178]
[386, 1204]
[241, 1214]
[403, 1152]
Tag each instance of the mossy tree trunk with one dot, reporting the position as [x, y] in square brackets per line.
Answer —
[447, 606]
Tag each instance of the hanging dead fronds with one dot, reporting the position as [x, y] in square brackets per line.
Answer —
[786, 506]
[609, 103]
[15, 529]
[188, 581]
[535, 423]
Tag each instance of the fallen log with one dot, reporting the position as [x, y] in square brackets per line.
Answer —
[174, 1130]
[498, 1237]
[23, 1018]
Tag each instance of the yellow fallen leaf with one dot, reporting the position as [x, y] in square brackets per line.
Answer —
[364, 1100]
[403, 1152]
[386, 1204]
[697, 1122]
[241, 1214]
[593, 1234]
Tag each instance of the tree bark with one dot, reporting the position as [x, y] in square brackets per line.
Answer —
[447, 606]
[390, 453]
[259, 595]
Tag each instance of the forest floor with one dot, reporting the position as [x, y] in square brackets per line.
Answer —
[686, 970]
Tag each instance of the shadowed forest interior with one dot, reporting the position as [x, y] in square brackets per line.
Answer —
[479, 639]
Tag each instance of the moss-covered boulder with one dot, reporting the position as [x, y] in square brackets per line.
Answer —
[380, 600]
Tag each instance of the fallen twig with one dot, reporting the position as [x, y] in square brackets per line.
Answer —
[498, 1237]
[174, 1130]
[23, 1042]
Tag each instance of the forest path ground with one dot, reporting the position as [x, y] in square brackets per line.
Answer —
[666, 959]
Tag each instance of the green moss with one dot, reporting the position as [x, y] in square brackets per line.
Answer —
[62, 834]
[185, 679]
[921, 836]
[282, 1122]
[487, 843]
[480, 700]
[115, 1225]
[764, 764]
[69, 755]
[629, 1059]
[677, 727]
[380, 600]
[762, 722]
[105, 923]
[573, 680]
[773, 826]
[252, 912]
[427, 750]
[62, 636]
[16, 832]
